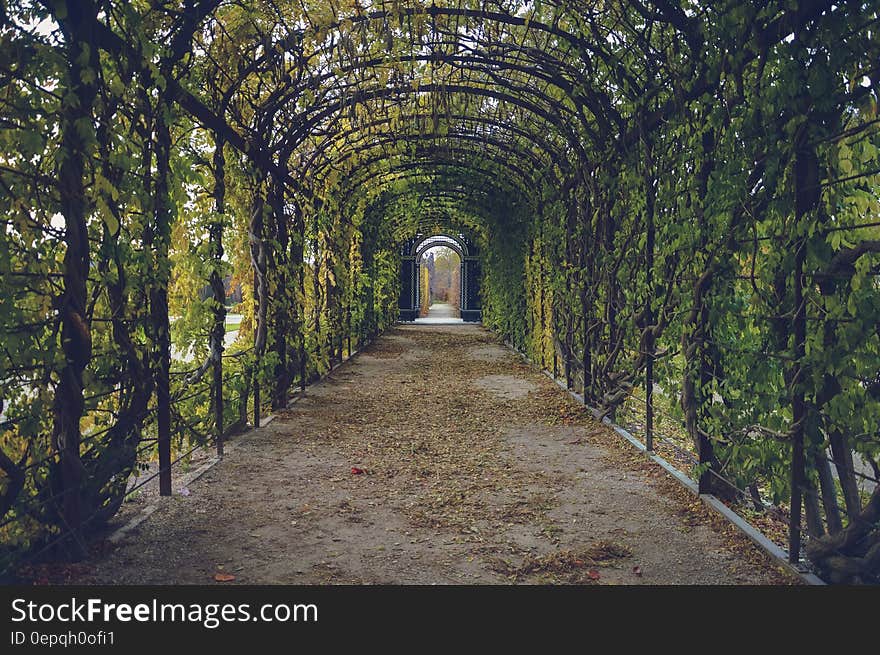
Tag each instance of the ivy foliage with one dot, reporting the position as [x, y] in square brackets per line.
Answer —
[681, 187]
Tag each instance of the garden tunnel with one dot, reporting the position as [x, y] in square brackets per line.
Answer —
[664, 195]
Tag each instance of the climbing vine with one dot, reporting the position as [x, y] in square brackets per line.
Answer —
[668, 198]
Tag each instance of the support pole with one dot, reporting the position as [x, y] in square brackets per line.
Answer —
[301, 315]
[798, 406]
[261, 306]
[348, 327]
[218, 332]
[648, 341]
[278, 266]
[586, 279]
[256, 370]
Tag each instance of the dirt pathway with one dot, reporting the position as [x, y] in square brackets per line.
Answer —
[476, 469]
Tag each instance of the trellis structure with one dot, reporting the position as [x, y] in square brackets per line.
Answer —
[674, 195]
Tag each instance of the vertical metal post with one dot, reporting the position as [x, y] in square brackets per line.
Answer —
[261, 290]
[586, 271]
[555, 358]
[301, 231]
[348, 327]
[649, 293]
[649, 404]
[218, 333]
[462, 281]
[163, 411]
[218, 405]
[806, 197]
[539, 253]
[798, 407]
[256, 359]
[243, 399]
[256, 401]
[328, 306]
[417, 288]
[587, 357]
[569, 312]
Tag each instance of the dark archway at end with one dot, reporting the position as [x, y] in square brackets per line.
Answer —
[410, 254]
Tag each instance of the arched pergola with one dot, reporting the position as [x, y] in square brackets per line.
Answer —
[648, 194]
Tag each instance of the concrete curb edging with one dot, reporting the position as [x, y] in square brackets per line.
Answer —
[230, 445]
[756, 536]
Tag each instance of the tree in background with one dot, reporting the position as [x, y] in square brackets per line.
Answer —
[425, 289]
[445, 276]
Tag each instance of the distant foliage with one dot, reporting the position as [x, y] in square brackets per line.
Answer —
[425, 289]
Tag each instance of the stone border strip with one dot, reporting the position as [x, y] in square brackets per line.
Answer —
[756, 536]
[230, 445]
[119, 534]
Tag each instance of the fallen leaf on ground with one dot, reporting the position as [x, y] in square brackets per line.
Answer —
[356, 471]
[224, 577]
[593, 574]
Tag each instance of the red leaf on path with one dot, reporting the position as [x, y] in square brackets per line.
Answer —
[637, 570]
[224, 577]
[593, 574]
[356, 471]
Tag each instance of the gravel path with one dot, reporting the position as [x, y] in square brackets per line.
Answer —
[434, 456]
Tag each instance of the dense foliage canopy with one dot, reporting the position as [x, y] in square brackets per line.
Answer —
[671, 190]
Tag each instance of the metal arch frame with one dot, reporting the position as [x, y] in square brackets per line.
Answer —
[410, 271]
[437, 216]
[312, 164]
[462, 154]
[413, 170]
[552, 114]
[433, 241]
[459, 144]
